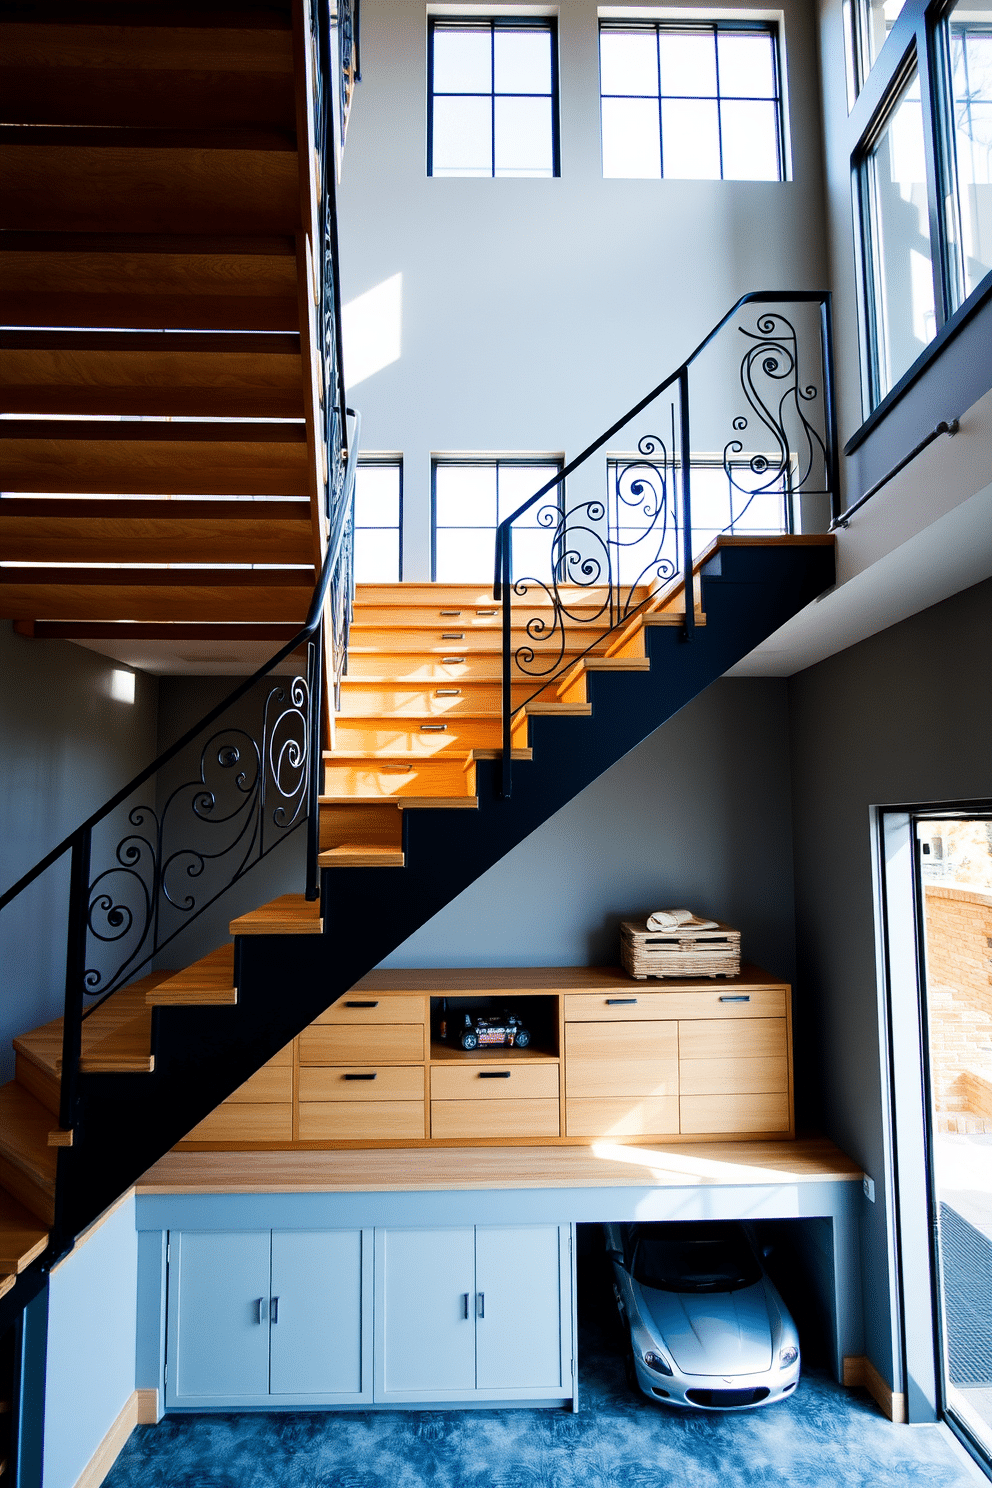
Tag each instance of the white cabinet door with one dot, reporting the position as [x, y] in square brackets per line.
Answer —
[315, 1314]
[425, 1314]
[218, 1317]
[519, 1312]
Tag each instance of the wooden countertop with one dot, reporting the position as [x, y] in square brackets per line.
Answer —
[603, 1165]
[524, 980]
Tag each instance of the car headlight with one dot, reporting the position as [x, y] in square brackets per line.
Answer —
[656, 1362]
[788, 1356]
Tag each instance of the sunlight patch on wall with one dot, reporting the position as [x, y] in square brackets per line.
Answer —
[371, 327]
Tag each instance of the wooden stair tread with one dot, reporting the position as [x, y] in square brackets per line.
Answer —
[125, 1051]
[406, 803]
[22, 1236]
[290, 914]
[359, 855]
[208, 982]
[27, 1163]
[43, 1046]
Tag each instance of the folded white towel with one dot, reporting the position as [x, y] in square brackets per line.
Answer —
[675, 919]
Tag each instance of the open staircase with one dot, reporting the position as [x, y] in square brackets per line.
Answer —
[175, 466]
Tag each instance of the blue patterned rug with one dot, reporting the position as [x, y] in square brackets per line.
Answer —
[823, 1437]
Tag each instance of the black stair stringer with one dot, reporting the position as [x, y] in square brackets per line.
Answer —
[202, 1054]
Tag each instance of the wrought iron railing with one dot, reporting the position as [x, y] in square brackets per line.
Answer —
[761, 458]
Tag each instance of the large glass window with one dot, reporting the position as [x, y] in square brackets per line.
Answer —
[378, 514]
[696, 102]
[492, 105]
[867, 24]
[967, 35]
[470, 498]
[899, 252]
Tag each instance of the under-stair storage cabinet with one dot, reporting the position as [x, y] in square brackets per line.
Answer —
[269, 1318]
[474, 1313]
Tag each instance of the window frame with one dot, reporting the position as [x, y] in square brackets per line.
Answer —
[703, 23]
[917, 37]
[477, 462]
[364, 461]
[495, 23]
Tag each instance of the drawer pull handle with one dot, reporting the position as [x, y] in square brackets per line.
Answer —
[485, 612]
[447, 692]
[364, 1076]
[464, 1304]
[274, 1309]
[452, 660]
[480, 1304]
[621, 1001]
[449, 612]
[495, 1074]
[361, 1004]
[740, 997]
[433, 728]
[452, 635]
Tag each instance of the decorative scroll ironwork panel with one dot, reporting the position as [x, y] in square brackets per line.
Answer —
[758, 463]
[222, 806]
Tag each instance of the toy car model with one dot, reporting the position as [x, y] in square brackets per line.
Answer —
[501, 1030]
[705, 1327]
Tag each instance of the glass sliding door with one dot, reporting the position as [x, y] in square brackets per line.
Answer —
[954, 919]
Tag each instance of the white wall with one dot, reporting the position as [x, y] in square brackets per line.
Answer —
[535, 311]
[91, 1332]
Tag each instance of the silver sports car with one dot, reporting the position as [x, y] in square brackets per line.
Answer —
[707, 1328]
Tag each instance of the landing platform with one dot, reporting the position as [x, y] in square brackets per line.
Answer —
[603, 1165]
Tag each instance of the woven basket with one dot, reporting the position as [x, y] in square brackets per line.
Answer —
[685, 952]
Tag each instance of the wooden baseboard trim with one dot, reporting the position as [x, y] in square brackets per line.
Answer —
[860, 1371]
[148, 1411]
[114, 1442]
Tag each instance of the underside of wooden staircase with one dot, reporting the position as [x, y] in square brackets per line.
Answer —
[164, 469]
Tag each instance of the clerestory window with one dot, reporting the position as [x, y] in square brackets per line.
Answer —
[492, 106]
[691, 100]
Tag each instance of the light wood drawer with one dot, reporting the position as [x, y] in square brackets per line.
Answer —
[494, 1118]
[245, 1123]
[729, 1038]
[734, 1113]
[285, 1056]
[361, 1121]
[388, 1043]
[320, 1083]
[621, 1059]
[501, 1082]
[650, 1116]
[359, 1007]
[764, 1076]
[722, 1002]
[271, 1084]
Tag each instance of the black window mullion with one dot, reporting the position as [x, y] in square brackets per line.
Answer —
[927, 70]
[661, 133]
[492, 91]
[430, 99]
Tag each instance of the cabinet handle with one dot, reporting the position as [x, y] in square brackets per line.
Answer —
[361, 1004]
[370, 1075]
[495, 1074]
[737, 998]
[485, 612]
[480, 1304]
[452, 635]
[260, 1309]
[449, 612]
[621, 1001]
[452, 660]
[274, 1309]
[464, 1304]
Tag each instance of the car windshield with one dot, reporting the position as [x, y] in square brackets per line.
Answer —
[721, 1264]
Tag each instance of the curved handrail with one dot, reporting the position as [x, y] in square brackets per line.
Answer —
[753, 297]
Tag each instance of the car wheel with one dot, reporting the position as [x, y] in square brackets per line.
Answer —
[522, 1039]
[469, 1040]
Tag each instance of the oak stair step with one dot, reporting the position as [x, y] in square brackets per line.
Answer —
[149, 281]
[27, 1162]
[355, 777]
[389, 738]
[208, 982]
[471, 596]
[362, 855]
[409, 802]
[152, 457]
[22, 1236]
[163, 373]
[36, 529]
[290, 914]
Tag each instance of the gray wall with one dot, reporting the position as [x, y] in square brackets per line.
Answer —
[904, 717]
[65, 746]
[697, 815]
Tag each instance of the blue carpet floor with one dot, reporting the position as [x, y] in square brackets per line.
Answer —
[823, 1437]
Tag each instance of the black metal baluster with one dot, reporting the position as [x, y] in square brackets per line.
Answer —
[690, 601]
[507, 598]
[75, 973]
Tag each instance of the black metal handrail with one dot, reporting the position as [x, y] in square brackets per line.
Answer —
[945, 426]
[772, 351]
